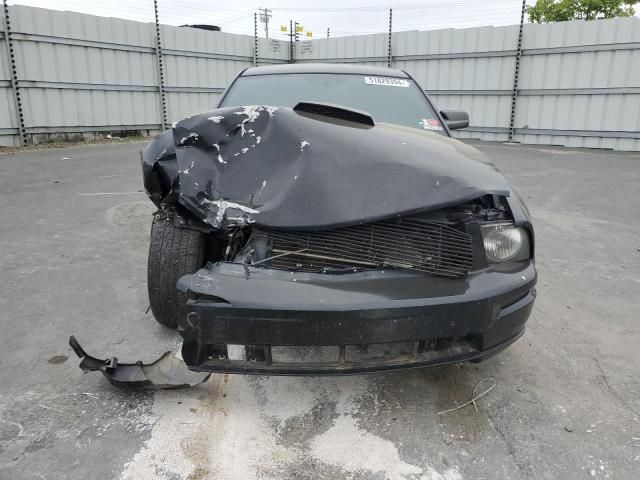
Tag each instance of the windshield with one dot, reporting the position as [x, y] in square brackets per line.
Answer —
[386, 99]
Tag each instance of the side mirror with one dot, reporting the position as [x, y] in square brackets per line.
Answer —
[455, 119]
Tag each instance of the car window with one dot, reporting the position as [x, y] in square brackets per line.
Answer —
[386, 99]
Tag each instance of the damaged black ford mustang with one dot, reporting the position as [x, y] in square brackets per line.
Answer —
[326, 210]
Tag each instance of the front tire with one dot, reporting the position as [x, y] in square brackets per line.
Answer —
[173, 252]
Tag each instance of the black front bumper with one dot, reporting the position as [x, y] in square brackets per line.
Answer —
[236, 320]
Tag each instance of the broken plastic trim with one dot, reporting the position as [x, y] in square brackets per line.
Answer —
[165, 373]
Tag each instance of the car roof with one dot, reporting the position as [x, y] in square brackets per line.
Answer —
[336, 68]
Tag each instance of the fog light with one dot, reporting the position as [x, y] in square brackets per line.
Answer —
[504, 242]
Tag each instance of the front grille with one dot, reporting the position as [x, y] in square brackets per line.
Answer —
[406, 243]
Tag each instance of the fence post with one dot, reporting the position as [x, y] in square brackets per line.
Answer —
[13, 71]
[255, 39]
[290, 41]
[389, 42]
[159, 63]
[514, 93]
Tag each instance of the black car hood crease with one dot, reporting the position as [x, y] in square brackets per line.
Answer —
[277, 167]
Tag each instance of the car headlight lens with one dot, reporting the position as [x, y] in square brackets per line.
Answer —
[504, 242]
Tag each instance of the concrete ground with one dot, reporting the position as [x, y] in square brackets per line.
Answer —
[74, 236]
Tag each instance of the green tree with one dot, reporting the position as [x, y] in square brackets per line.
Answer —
[545, 11]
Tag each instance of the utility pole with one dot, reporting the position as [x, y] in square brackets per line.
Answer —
[265, 16]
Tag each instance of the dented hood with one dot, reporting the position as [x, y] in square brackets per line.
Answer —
[278, 167]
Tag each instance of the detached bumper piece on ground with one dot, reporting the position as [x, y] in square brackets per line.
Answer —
[165, 373]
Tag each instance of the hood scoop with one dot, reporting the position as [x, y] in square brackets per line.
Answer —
[335, 111]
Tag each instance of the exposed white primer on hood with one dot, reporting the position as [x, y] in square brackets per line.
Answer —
[252, 112]
[270, 110]
[191, 136]
[220, 159]
[223, 206]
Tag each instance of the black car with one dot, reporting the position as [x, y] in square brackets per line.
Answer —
[327, 208]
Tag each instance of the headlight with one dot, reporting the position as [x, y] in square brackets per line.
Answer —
[504, 242]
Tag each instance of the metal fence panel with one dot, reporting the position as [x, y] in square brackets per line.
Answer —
[83, 74]
[362, 49]
[198, 66]
[579, 81]
[469, 69]
[580, 84]
[271, 50]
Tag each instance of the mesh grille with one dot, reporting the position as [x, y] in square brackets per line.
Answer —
[407, 243]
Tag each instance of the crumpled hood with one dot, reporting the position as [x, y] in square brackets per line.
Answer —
[277, 167]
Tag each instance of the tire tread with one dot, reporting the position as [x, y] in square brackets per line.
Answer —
[173, 252]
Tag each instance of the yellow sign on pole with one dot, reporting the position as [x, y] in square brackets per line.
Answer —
[299, 28]
[309, 34]
[283, 28]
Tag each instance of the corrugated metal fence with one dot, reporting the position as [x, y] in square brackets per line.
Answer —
[579, 82]
[81, 74]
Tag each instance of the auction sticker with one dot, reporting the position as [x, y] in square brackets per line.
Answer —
[430, 124]
[387, 81]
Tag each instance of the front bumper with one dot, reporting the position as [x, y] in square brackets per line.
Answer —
[237, 320]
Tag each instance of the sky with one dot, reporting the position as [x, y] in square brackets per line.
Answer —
[342, 17]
